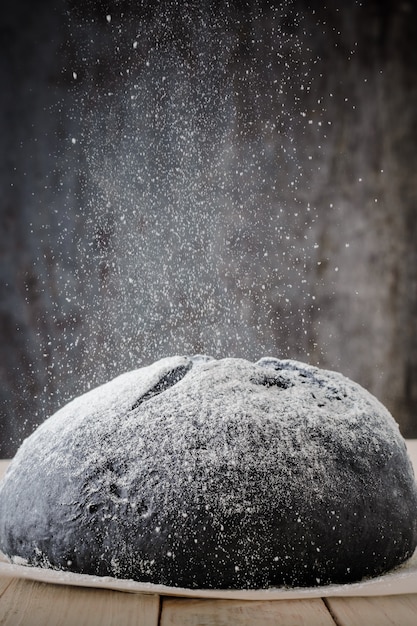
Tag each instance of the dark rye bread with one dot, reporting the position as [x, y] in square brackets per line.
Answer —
[200, 473]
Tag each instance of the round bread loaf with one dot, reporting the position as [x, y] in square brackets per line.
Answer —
[204, 473]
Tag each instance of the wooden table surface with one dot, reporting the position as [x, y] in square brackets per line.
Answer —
[30, 603]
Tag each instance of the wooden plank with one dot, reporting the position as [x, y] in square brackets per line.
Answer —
[412, 451]
[3, 467]
[187, 612]
[4, 583]
[374, 611]
[29, 603]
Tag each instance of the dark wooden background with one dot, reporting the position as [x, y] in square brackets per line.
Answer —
[232, 178]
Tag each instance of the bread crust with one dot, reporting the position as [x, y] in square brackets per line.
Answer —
[204, 473]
